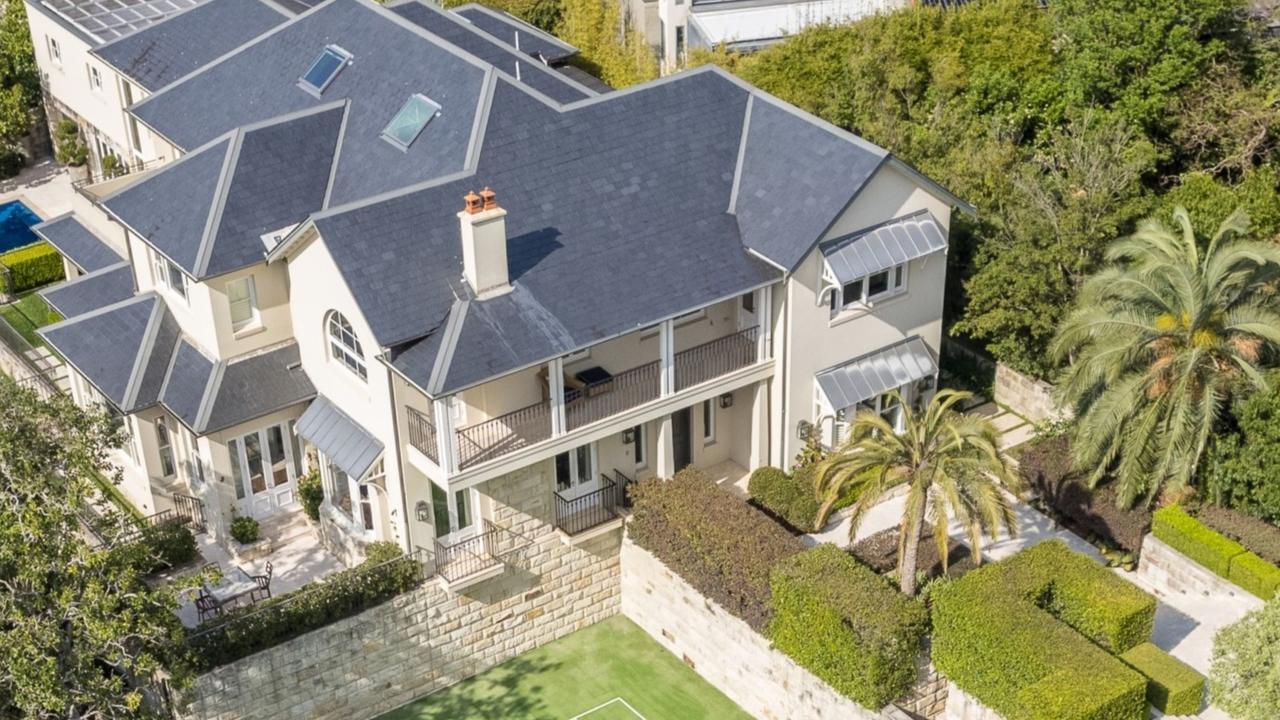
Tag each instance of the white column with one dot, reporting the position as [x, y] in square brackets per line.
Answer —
[446, 438]
[555, 387]
[667, 352]
[759, 426]
[764, 321]
[664, 459]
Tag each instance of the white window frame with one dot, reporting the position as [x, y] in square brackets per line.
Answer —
[576, 479]
[455, 531]
[163, 269]
[164, 448]
[351, 356]
[709, 421]
[254, 320]
[55, 50]
[862, 297]
[95, 78]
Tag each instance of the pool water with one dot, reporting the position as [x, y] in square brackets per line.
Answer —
[16, 220]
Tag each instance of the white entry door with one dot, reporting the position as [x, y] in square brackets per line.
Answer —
[264, 471]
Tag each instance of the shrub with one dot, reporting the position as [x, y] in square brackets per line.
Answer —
[1190, 537]
[846, 625]
[244, 530]
[1046, 466]
[11, 162]
[379, 552]
[1258, 536]
[1255, 575]
[67, 146]
[247, 630]
[720, 545]
[311, 494]
[789, 498]
[170, 545]
[1240, 468]
[1244, 676]
[30, 266]
[1173, 687]
[1016, 635]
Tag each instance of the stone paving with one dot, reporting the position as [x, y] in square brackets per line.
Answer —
[44, 187]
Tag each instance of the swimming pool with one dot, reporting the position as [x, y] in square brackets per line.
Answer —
[16, 220]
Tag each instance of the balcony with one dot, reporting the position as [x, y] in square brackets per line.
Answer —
[580, 513]
[466, 562]
[590, 403]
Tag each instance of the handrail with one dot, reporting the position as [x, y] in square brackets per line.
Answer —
[503, 434]
[604, 399]
[422, 434]
[717, 357]
[589, 510]
[475, 554]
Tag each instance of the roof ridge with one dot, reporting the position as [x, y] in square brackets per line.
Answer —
[144, 353]
[66, 322]
[448, 344]
[333, 162]
[220, 190]
[210, 393]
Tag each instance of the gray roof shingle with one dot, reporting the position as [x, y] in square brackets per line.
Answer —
[156, 365]
[105, 345]
[504, 27]
[187, 382]
[77, 243]
[166, 51]
[254, 386]
[99, 21]
[91, 291]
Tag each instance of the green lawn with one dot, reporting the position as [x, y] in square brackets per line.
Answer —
[28, 313]
[585, 670]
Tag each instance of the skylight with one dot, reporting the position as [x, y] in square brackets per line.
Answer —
[325, 68]
[414, 115]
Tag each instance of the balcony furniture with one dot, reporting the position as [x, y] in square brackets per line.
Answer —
[570, 384]
[234, 585]
[264, 585]
[595, 380]
[207, 607]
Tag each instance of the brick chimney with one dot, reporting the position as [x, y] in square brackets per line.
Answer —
[484, 244]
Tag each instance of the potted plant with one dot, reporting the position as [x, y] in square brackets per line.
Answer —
[248, 544]
[311, 494]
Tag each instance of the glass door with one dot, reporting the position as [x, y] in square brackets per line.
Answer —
[264, 471]
[576, 472]
[457, 522]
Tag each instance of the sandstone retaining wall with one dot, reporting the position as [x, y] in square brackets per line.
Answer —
[1026, 396]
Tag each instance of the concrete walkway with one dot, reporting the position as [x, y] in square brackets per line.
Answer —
[44, 187]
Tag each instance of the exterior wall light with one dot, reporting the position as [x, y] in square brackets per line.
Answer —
[423, 511]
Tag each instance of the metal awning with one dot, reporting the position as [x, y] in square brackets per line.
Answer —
[342, 440]
[870, 375]
[879, 248]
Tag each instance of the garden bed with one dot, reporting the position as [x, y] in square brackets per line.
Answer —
[1257, 536]
[880, 553]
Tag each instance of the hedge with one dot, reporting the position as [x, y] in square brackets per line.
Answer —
[1224, 557]
[1017, 636]
[169, 545]
[720, 545]
[30, 266]
[847, 625]
[1173, 687]
[250, 629]
[1046, 466]
[1257, 536]
[790, 498]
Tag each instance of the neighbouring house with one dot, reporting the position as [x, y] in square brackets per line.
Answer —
[403, 249]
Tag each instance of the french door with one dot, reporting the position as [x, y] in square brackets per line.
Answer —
[576, 472]
[265, 466]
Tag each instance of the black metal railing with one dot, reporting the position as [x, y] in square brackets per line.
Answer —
[579, 514]
[712, 359]
[455, 561]
[504, 434]
[422, 435]
[190, 512]
[624, 484]
[607, 398]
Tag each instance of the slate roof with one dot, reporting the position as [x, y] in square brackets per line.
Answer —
[342, 440]
[391, 60]
[77, 243]
[463, 34]
[166, 51]
[870, 375]
[877, 248]
[208, 210]
[134, 353]
[617, 218]
[91, 291]
[99, 21]
[505, 28]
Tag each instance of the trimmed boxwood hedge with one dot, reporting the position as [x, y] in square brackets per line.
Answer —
[30, 266]
[1257, 536]
[1017, 636]
[1221, 555]
[847, 625]
[790, 498]
[1173, 687]
[250, 629]
[720, 545]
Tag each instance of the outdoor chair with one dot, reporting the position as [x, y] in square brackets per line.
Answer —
[207, 606]
[264, 584]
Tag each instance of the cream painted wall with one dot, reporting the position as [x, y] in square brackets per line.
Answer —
[316, 287]
[271, 283]
[815, 341]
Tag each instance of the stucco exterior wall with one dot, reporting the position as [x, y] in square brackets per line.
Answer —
[271, 286]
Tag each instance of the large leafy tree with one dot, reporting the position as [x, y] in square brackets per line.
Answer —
[949, 462]
[81, 636]
[1157, 344]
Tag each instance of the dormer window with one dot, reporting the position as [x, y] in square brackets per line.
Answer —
[325, 68]
[407, 124]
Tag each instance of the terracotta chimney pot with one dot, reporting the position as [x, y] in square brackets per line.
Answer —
[490, 199]
[473, 203]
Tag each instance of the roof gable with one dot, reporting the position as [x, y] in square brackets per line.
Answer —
[106, 345]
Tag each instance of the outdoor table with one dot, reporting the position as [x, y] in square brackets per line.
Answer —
[596, 380]
[235, 583]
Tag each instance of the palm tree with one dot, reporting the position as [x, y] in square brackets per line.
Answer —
[949, 461]
[1157, 343]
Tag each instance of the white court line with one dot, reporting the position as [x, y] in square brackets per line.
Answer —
[607, 703]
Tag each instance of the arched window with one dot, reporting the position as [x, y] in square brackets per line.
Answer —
[344, 346]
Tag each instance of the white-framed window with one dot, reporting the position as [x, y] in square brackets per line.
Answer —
[344, 346]
[708, 421]
[872, 288]
[242, 301]
[461, 519]
[164, 443]
[95, 78]
[575, 467]
[352, 498]
[166, 273]
[55, 50]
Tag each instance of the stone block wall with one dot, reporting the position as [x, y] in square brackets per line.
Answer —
[1163, 567]
[725, 651]
[928, 699]
[963, 706]
[1026, 396]
[430, 638]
